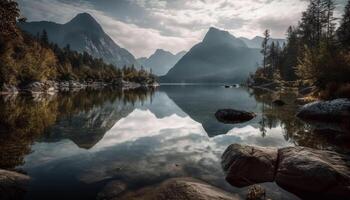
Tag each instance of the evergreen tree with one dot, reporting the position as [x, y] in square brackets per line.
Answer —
[343, 32]
[44, 38]
[265, 47]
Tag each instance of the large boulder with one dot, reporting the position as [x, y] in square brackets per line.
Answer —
[244, 164]
[336, 110]
[231, 116]
[310, 172]
[306, 172]
[12, 185]
[180, 189]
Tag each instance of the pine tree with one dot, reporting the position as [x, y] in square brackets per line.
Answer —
[329, 19]
[44, 38]
[265, 47]
[343, 32]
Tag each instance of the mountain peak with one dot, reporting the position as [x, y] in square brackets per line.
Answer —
[86, 22]
[160, 51]
[217, 36]
[84, 19]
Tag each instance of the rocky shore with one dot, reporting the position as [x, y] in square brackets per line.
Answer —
[56, 86]
[306, 172]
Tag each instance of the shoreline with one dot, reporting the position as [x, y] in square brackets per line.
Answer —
[52, 87]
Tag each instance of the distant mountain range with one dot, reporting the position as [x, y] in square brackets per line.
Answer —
[83, 33]
[257, 41]
[220, 57]
[161, 61]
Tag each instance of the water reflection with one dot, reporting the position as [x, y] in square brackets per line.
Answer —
[73, 143]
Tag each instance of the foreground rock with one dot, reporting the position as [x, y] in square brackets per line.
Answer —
[306, 172]
[180, 189]
[111, 190]
[12, 185]
[245, 164]
[230, 116]
[334, 111]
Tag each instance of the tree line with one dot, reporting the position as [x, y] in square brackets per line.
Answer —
[25, 58]
[316, 53]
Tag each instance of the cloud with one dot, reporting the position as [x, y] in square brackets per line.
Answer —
[142, 26]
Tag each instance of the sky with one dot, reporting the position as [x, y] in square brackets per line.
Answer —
[142, 26]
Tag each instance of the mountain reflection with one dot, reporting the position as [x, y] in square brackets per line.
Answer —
[83, 117]
[98, 120]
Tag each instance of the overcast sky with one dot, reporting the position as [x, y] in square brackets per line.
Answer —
[142, 26]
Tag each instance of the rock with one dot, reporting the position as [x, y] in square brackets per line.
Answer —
[111, 190]
[12, 185]
[305, 100]
[307, 90]
[335, 111]
[306, 172]
[256, 192]
[309, 172]
[279, 102]
[236, 85]
[8, 89]
[181, 189]
[230, 116]
[245, 165]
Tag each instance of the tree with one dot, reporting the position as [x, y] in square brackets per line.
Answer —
[9, 12]
[265, 47]
[44, 38]
[329, 6]
[343, 32]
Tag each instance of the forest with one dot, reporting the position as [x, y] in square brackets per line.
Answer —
[25, 59]
[316, 54]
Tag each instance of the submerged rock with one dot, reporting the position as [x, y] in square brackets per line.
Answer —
[306, 172]
[230, 116]
[335, 110]
[12, 185]
[180, 189]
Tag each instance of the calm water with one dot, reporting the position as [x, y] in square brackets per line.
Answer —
[72, 144]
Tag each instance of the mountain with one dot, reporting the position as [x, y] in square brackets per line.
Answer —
[83, 33]
[256, 41]
[220, 57]
[161, 61]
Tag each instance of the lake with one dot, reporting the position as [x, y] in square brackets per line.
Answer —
[72, 144]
